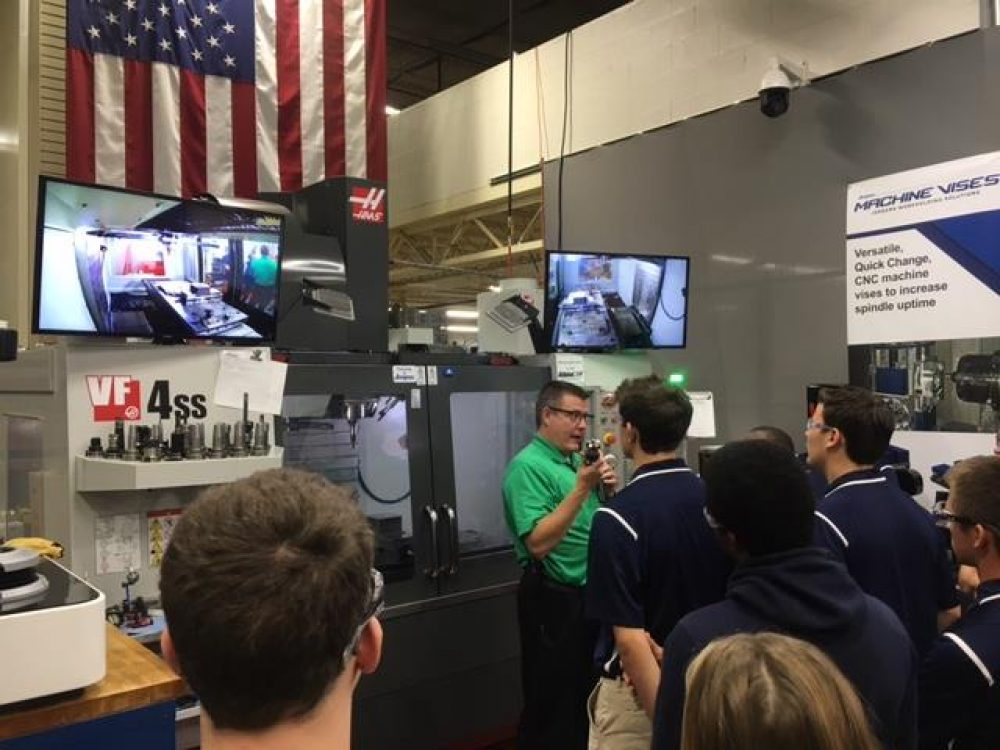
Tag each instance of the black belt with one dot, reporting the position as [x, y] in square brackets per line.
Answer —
[534, 572]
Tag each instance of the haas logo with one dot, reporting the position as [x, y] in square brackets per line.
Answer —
[115, 397]
[368, 204]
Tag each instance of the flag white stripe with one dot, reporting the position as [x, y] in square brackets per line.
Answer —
[355, 90]
[109, 120]
[311, 89]
[268, 175]
[166, 128]
[219, 135]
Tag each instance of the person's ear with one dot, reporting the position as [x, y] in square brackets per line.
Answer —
[168, 651]
[982, 537]
[369, 652]
[834, 438]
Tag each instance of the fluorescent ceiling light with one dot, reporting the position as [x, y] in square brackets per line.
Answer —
[461, 329]
[496, 288]
[735, 260]
[390, 110]
[462, 314]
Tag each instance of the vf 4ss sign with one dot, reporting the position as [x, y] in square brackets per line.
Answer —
[115, 397]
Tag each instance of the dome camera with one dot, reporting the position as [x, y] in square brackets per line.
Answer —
[776, 86]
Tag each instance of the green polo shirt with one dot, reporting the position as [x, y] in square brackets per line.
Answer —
[537, 480]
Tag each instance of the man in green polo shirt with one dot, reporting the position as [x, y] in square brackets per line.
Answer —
[549, 502]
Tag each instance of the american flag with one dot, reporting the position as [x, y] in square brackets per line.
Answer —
[231, 97]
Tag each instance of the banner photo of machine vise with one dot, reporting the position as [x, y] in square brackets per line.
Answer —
[923, 303]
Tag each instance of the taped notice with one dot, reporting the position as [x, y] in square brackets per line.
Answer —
[408, 374]
[703, 419]
[262, 380]
[569, 368]
[160, 527]
[118, 543]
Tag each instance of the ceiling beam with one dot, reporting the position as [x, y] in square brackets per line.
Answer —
[442, 47]
[441, 267]
[489, 234]
[498, 252]
[528, 198]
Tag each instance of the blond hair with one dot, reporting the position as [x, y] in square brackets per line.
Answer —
[771, 691]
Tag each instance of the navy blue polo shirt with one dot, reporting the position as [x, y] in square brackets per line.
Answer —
[891, 547]
[959, 689]
[652, 558]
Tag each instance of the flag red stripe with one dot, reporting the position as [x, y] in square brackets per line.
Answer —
[244, 139]
[333, 86]
[289, 95]
[138, 125]
[79, 115]
[375, 85]
[193, 151]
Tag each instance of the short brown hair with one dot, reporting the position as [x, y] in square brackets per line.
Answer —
[552, 393]
[771, 691]
[975, 483]
[865, 421]
[661, 413]
[264, 583]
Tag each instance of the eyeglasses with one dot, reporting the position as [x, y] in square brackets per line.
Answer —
[943, 518]
[575, 416]
[810, 425]
[376, 603]
[710, 520]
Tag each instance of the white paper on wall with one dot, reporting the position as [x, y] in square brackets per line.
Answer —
[118, 543]
[262, 380]
[703, 419]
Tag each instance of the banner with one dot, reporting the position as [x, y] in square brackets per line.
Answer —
[923, 306]
[923, 254]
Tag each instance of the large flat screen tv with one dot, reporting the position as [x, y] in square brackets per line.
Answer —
[114, 262]
[608, 302]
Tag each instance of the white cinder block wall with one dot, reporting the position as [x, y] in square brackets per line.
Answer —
[643, 66]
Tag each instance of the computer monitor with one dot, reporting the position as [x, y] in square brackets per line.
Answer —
[599, 302]
[115, 262]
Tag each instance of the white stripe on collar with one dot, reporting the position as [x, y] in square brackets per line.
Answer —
[990, 598]
[877, 480]
[833, 526]
[658, 472]
[973, 656]
[615, 514]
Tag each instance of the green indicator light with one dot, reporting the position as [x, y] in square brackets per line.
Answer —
[676, 378]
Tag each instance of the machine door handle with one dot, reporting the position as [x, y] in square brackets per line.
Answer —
[449, 514]
[432, 522]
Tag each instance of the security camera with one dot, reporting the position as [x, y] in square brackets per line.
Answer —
[776, 86]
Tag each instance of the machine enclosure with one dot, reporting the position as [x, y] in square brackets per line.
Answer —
[334, 240]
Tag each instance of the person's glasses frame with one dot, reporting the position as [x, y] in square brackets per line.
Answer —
[575, 416]
[944, 518]
[376, 604]
[811, 425]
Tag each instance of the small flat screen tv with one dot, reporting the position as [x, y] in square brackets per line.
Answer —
[115, 262]
[596, 302]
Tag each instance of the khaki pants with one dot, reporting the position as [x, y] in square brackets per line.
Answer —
[617, 721]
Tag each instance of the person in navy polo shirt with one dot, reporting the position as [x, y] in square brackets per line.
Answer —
[652, 560]
[759, 503]
[888, 542]
[959, 694]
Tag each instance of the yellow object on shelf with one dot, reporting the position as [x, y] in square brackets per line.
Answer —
[41, 545]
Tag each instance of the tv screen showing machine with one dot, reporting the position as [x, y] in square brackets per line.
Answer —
[608, 302]
[112, 262]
